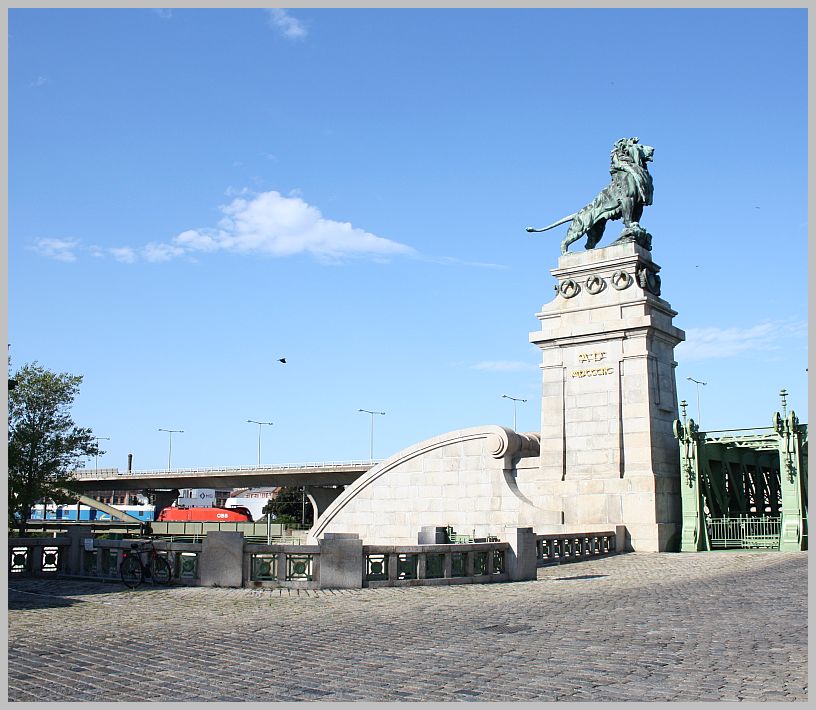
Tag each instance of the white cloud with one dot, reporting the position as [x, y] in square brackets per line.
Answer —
[126, 255]
[287, 25]
[504, 366]
[254, 223]
[58, 249]
[711, 343]
[161, 252]
[163, 12]
[269, 223]
[39, 81]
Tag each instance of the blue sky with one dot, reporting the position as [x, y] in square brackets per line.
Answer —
[194, 194]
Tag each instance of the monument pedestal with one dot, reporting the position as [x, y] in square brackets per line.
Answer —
[608, 455]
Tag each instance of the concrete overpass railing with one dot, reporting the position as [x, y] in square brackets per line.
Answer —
[82, 473]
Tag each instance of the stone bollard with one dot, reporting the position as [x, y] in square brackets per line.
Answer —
[521, 558]
[341, 561]
[222, 559]
[623, 542]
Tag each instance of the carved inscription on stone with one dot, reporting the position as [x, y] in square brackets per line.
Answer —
[585, 358]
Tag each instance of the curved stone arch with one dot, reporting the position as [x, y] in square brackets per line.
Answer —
[496, 448]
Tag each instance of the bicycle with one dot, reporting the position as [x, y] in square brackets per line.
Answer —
[133, 571]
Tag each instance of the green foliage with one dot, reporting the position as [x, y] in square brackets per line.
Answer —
[287, 507]
[44, 443]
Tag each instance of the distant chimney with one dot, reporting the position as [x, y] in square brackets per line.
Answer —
[130, 462]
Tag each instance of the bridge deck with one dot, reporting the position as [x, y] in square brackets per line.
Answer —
[309, 474]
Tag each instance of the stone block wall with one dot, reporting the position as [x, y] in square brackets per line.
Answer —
[465, 479]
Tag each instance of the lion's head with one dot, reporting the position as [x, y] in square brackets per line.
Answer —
[628, 150]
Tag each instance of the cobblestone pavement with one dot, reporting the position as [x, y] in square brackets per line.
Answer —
[715, 626]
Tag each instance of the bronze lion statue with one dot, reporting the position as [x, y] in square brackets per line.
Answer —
[628, 192]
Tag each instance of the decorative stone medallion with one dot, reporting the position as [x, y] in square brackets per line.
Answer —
[620, 280]
[569, 288]
[595, 284]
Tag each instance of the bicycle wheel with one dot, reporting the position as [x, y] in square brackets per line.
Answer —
[131, 572]
[160, 570]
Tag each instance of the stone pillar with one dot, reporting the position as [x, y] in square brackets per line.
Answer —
[77, 535]
[162, 499]
[623, 542]
[341, 561]
[608, 401]
[222, 559]
[321, 497]
[521, 560]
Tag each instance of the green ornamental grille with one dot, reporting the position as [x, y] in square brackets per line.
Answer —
[50, 559]
[433, 566]
[458, 564]
[406, 566]
[110, 559]
[376, 567]
[19, 559]
[299, 567]
[89, 558]
[188, 565]
[480, 562]
[264, 567]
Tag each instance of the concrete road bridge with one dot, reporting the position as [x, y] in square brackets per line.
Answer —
[334, 473]
[323, 481]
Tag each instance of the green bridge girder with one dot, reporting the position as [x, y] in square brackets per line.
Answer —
[744, 488]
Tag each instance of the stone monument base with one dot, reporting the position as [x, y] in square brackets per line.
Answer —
[607, 452]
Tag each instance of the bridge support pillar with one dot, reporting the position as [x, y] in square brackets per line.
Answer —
[162, 499]
[321, 497]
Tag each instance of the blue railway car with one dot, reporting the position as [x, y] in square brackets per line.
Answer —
[69, 512]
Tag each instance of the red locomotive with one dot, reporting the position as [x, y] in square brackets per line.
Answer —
[205, 515]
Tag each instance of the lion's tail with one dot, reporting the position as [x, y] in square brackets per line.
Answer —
[568, 218]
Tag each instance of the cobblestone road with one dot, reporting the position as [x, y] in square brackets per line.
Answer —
[716, 626]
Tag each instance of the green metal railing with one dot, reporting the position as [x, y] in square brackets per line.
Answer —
[397, 565]
[745, 532]
[573, 547]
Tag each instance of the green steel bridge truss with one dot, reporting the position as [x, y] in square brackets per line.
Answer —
[744, 488]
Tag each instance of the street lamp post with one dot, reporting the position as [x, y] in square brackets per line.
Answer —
[515, 399]
[698, 383]
[368, 411]
[96, 462]
[170, 451]
[260, 424]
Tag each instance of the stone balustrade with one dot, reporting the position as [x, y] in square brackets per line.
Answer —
[337, 561]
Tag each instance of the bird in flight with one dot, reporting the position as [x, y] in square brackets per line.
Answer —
[282, 359]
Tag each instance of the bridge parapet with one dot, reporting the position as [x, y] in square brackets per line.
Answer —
[336, 561]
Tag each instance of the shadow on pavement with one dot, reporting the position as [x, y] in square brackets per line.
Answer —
[55, 592]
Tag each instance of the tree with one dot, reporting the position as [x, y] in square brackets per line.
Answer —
[44, 443]
[287, 507]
